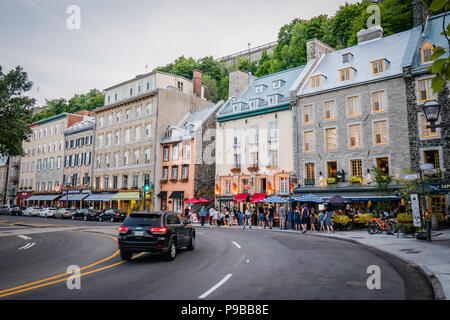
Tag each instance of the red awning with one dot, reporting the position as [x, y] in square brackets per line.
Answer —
[24, 195]
[241, 197]
[257, 196]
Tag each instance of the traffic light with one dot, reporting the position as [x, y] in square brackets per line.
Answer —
[146, 187]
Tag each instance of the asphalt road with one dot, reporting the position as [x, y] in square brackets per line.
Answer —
[226, 264]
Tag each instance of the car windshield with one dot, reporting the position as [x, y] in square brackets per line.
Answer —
[151, 220]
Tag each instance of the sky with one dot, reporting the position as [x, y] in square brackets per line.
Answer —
[111, 41]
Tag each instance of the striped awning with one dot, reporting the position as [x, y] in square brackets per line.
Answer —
[100, 197]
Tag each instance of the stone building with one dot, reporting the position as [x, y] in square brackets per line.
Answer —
[253, 54]
[129, 128]
[351, 116]
[188, 167]
[428, 145]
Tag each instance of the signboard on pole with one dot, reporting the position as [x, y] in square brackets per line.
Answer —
[426, 166]
[415, 209]
[412, 176]
[430, 171]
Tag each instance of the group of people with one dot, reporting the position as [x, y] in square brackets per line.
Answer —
[301, 218]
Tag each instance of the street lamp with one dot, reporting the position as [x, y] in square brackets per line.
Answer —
[292, 178]
[431, 109]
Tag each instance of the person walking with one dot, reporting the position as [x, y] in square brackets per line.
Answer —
[328, 220]
[271, 216]
[297, 218]
[260, 216]
[212, 211]
[227, 216]
[322, 221]
[312, 220]
[304, 218]
[202, 215]
[247, 218]
[282, 213]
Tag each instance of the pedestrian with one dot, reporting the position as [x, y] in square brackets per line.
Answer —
[304, 218]
[322, 221]
[247, 218]
[221, 217]
[312, 220]
[297, 218]
[227, 216]
[271, 216]
[186, 212]
[211, 212]
[241, 218]
[329, 220]
[282, 213]
[202, 215]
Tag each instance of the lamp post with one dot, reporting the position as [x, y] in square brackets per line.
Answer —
[432, 109]
[67, 194]
[292, 177]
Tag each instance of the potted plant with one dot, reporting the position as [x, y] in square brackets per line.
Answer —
[235, 170]
[330, 181]
[163, 181]
[253, 169]
[355, 179]
[184, 180]
[341, 221]
[173, 180]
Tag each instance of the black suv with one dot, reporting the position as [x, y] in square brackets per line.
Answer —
[162, 232]
[112, 215]
[85, 214]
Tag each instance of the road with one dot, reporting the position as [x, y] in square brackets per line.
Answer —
[226, 264]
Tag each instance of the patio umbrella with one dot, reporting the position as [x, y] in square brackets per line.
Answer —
[337, 199]
[274, 199]
[308, 198]
[202, 200]
[192, 200]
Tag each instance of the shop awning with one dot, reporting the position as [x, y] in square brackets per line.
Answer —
[258, 197]
[126, 196]
[35, 197]
[241, 197]
[177, 195]
[100, 197]
[162, 194]
[24, 195]
[74, 197]
[49, 197]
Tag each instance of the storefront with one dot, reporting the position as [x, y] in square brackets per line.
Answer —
[175, 201]
[127, 201]
[43, 200]
[99, 201]
[73, 200]
[22, 197]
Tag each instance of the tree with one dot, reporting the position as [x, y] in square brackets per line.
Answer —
[15, 111]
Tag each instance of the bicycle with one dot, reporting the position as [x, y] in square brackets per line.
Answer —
[380, 225]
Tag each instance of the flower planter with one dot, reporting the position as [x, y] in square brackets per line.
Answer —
[235, 170]
[253, 169]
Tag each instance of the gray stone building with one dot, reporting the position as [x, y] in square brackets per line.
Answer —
[253, 54]
[351, 116]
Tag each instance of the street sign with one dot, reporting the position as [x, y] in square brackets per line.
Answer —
[412, 176]
[415, 209]
[430, 171]
[426, 166]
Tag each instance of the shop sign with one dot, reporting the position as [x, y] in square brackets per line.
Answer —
[412, 176]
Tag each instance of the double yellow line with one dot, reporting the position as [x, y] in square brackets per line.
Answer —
[44, 282]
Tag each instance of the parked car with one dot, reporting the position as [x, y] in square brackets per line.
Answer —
[5, 210]
[86, 214]
[35, 211]
[27, 211]
[17, 211]
[47, 212]
[112, 215]
[162, 232]
[64, 213]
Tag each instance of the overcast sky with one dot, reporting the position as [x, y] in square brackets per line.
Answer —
[118, 38]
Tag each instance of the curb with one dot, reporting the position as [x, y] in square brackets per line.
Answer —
[432, 279]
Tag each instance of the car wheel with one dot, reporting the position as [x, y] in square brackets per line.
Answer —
[172, 252]
[100, 219]
[126, 255]
[112, 219]
[85, 218]
[73, 217]
[192, 244]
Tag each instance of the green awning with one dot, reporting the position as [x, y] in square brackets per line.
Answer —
[126, 196]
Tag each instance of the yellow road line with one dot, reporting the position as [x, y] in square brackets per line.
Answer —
[61, 280]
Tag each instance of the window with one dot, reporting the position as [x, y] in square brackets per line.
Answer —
[273, 131]
[253, 135]
[117, 137]
[128, 114]
[108, 139]
[277, 84]
[237, 161]
[115, 182]
[147, 155]
[332, 169]
[49, 186]
[432, 156]
[149, 108]
[307, 114]
[425, 92]
[124, 181]
[138, 133]
[138, 112]
[378, 66]
[346, 57]
[186, 150]
[253, 159]
[175, 152]
[58, 162]
[309, 141]
[51, 164]
[426, 52]
[427, 133]
[125, 158]
[315, 81]
[101, 122]
[383, 164]
[259, 89]
[353, 106]
[180, 86]
[127, 135]
[356, 167]
[331, 138]
[236, 137]
[283, 185]
[135, 181]
[380, 128]
[345, 74]
[227, 187]
[185, 172]
[118, 117]
[136, 156]
[107, 160]
[236, 107]
[44, 166]
[106, 182]
[309, 172]
[273, 99]
[165, 174]
[100, 140]
[354, 136]
[110, 119]
[116, 160]
[273, 157]
[174, 174]
[379, 101]
[166, 154]
[148, 130]
[330, 110]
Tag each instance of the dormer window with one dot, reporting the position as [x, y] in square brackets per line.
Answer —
[346, 57]
[345, 74]
[378, 66]
[260, 88]
[426, 51]
[277, 84]
[274, 99]
[316, 81]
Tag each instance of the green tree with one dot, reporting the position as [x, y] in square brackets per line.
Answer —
[15, 111]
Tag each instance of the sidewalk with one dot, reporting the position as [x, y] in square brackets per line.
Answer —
[430, 258]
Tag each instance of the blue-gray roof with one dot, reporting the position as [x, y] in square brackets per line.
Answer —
[394, 49]
[432, 34]
[288, 77]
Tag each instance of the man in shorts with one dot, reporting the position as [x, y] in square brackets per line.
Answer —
[282, 213]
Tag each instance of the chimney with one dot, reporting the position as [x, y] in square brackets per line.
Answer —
[316, 48]
[370, 34]
[420, 13]
[197, 82]
[238, 82]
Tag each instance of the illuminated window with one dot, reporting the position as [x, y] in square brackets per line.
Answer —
[345, 74]
[380, 128]
[427, 133]
[426, 52]
[330, 110]
[432, 156]
[379, 101]
[354, 135]
[378, 66]
[309, 171]
[331, 138]
[356, 166]
[353, 106]
[307, 114]
[309, 141]
[315, 81]
[425, 93]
